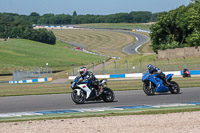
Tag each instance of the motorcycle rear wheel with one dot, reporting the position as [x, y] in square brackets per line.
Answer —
[108, 95]
[148, 91]
[174, 87]
[78, 99]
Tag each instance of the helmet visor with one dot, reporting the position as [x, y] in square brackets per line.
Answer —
[81, 72]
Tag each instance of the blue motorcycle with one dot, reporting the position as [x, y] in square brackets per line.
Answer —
[153, 84]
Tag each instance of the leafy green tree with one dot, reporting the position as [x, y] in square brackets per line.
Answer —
[61, 19]
[74, 14]
[139, 17]
[177, 28]
[194, 24]
[33, 18]
[34, 14]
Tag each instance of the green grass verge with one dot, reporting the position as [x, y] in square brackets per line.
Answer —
[23, 53]
[6, 78]
[116, 85]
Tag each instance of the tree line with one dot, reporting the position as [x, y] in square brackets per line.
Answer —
[23, 29]
[177, 28]
[61, 19]
[14, 25]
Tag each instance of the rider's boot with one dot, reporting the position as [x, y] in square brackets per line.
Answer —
[97, 92]
[100, 89]
[165, 82]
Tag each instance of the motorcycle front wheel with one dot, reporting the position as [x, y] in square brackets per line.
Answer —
[78, 99]
[174, 88]
[148, 91]
[108, 95]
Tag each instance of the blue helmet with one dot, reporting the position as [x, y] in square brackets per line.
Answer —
[150, 67]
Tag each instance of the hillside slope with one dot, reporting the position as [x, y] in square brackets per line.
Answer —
[23, 53]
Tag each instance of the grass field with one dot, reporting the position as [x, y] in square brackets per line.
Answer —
[144, 26]
[116, 85]
[6, 78]
[99, 41]
[23, 53]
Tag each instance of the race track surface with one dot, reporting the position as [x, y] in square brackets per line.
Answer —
[122, 98]
[132, 48]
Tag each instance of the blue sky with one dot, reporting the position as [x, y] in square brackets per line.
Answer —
[101, 7]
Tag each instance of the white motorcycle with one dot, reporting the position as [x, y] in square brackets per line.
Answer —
[81, 92]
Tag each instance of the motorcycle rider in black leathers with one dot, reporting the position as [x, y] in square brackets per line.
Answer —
[155, 70]
[87, 76]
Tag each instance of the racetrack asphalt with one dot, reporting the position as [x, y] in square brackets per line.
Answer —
[122, 98]
[141, 40]
[4, 82]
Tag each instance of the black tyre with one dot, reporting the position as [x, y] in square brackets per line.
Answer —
[148, 91]
[78, 99]
[174, 88]
[108, 95]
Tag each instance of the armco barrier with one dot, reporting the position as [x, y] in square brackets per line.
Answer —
[32, 80]
[132, 75]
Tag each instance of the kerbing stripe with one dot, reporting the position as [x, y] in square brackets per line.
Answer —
[195, 103]
[20, 114]
[57, 112]
[134, 107]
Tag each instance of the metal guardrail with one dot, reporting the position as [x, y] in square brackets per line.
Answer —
[40, 72]
[130, 68]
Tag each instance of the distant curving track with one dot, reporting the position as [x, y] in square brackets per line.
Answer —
[133, 48]
[123, 98]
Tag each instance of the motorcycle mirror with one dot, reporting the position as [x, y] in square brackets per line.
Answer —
[71, 82]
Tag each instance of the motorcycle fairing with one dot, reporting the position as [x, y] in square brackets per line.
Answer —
[159, 83]
[86, 89]
[169, 77]
[78, 91]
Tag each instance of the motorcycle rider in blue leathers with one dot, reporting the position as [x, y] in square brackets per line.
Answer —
[156, 71]
[89, 78]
